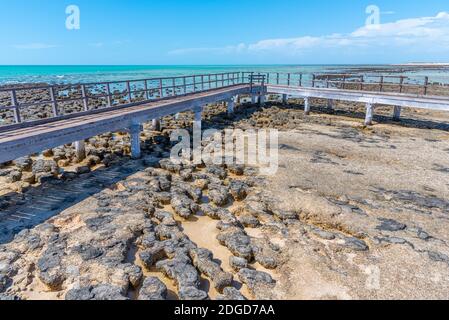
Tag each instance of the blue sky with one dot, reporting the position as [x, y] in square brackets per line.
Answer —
[223, 32]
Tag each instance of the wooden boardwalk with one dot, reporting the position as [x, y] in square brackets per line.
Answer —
[24, 139]
[182, 94]
[370, 99]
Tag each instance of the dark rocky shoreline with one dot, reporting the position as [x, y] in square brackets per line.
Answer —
[157, 235]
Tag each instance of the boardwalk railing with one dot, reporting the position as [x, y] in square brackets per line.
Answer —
[32, 103]
[51, 101]
[256, 79]
[374, 83]
[127, 105]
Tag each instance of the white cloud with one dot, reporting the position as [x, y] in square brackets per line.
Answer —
[34, 46]
[425, 33]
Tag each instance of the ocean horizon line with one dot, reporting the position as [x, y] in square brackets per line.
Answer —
[203, 65]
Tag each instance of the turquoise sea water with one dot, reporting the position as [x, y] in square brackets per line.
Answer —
[76, 74]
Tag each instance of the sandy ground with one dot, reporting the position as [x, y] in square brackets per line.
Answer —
[345, 179]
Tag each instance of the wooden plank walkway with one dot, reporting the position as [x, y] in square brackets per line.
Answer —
[369, 98]
[25, 140]
[385, 98]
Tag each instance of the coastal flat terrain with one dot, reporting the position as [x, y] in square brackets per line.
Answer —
[352, 213]
[373, 210]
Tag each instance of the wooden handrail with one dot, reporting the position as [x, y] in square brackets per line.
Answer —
[225, 80]
[173, 86]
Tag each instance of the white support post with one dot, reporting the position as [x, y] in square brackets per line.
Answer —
[330, 104]
[80, 150]
[369, 114]
[306, 106]
[198, 115]
[156, 125]
[238, 99]
[262, 99]
[253, 98]
[197, 135]
[134, 131]
[284, 99]
[231, 106]
[397, 113]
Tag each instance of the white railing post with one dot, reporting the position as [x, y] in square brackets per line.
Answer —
[426, 85]
[147, 93]
[108, 92]
[54, 103]
[161, 90]
[15, 105]
[85, 98]
[128, 88]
